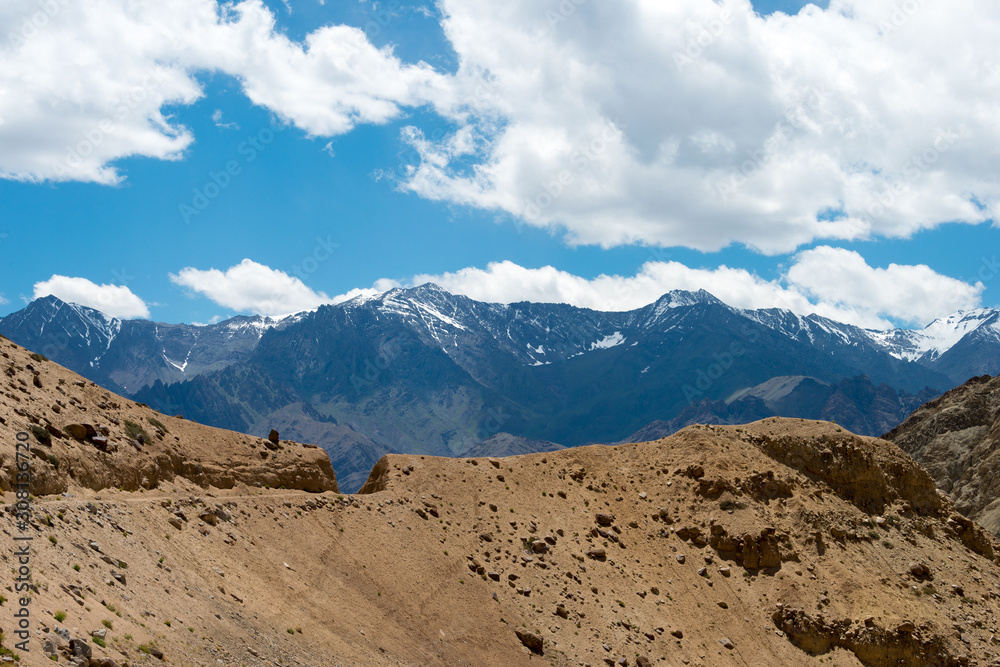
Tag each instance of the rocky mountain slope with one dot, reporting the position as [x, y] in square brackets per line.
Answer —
[784, 542]
[428, 372]
[854, 403]
[957, 439]
[126, 355]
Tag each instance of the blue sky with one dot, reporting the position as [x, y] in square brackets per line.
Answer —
[321, 206]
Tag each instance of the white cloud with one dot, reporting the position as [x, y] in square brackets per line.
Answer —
[707, 125]
[252, 287]
[84, 83]
[217, 118]
[831, 282]
[915, 294]
[113, 300]
[710, 125]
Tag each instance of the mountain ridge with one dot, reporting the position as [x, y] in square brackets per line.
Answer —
[425, 371]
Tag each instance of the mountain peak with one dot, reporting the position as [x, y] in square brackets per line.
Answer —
[681, 298]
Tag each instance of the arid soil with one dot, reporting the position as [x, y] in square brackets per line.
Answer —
[784, 542]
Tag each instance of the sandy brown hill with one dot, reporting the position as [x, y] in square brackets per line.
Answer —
[957, 439]
[784, 542]
[83, 435]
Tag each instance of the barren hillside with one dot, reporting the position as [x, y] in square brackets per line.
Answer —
[784, 542]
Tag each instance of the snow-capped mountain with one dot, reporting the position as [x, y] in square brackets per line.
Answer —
[126, 355]
[422, 370]
[962, 345]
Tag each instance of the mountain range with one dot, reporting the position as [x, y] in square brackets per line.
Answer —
[428, 372]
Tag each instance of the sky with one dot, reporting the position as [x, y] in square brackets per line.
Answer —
[188, 160]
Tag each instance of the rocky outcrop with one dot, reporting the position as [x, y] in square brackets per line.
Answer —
[957, 439]
[81, 435]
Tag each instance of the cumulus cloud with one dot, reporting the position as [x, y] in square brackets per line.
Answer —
[711, 125]
[251, 287]
[708, 125]
[85, 83]
[831, 282]
[114, 300]
[915, 294]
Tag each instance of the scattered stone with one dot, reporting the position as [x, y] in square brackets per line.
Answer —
[531, 640]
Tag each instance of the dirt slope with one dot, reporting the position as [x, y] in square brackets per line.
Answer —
[122, 444]
[781, 543]
[957, 439]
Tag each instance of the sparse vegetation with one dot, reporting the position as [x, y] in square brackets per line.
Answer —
[135, 431]
[59, 616]
[41, 434]
[158, 424]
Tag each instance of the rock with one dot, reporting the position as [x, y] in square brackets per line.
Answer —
[680, 558]
[100, 442]
[102, 662]
[175, 522]
[597, 553]
[727, 643]
[209, 517]
[643, 661]
[724, 571]
[677, 633]
[80, 648]
[918, 570]
[531, 640]
[539, 547]
[156, 653]
[561, 612]
[99, 634]
[273, 436]
[605, 519]
[119, 577]
[78, 431]
[906, 626]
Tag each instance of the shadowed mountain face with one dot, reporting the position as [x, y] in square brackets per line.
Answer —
[425, 371]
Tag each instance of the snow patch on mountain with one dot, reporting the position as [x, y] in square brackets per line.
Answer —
[937, 337]
[614, 340]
